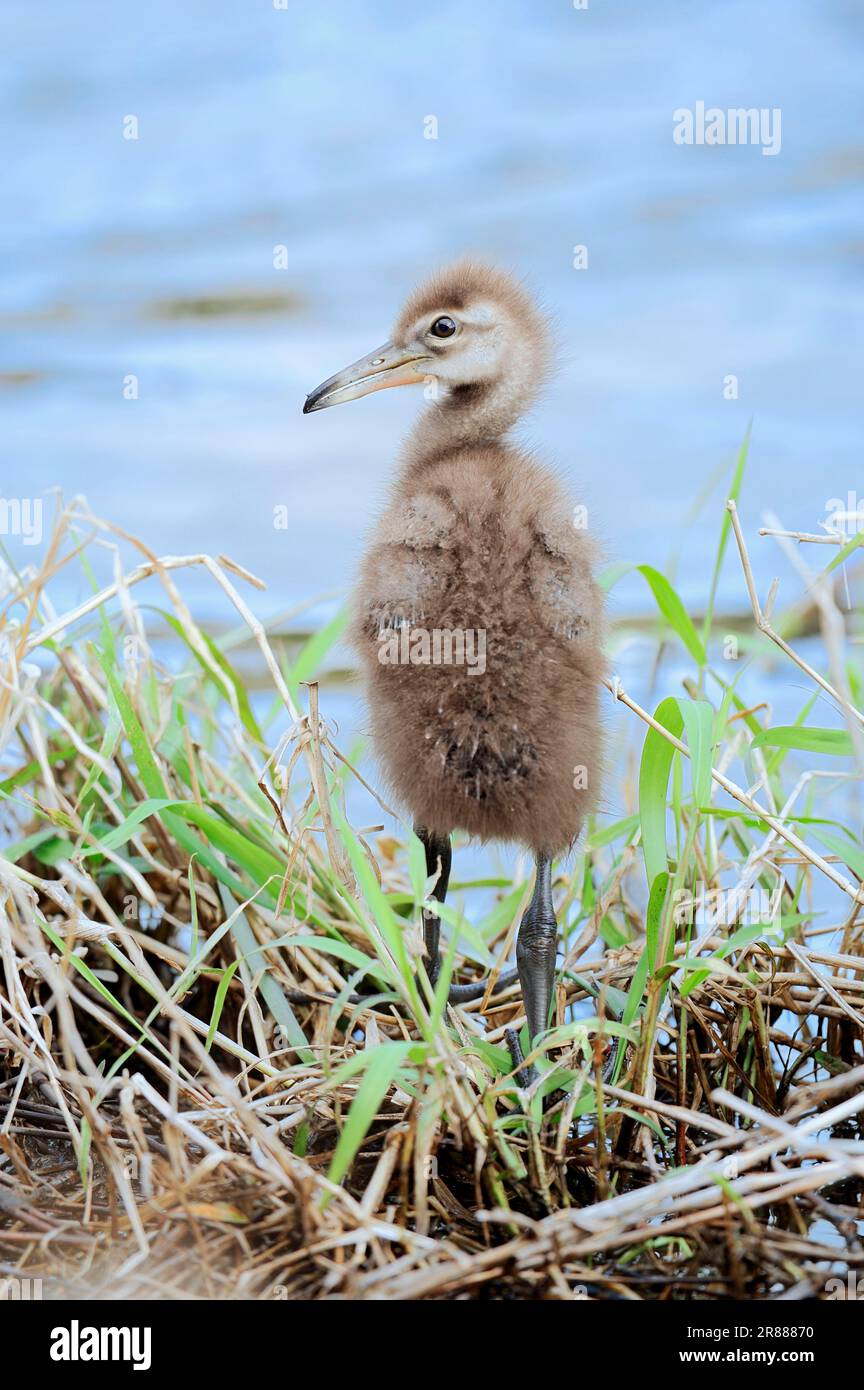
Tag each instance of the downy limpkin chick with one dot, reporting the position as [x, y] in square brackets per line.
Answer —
[476, 618]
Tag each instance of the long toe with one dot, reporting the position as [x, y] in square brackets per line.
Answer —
[525, 1076]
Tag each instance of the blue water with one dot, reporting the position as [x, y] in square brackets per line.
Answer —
[305, 128]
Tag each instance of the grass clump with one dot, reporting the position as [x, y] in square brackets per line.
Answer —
[219, 1076]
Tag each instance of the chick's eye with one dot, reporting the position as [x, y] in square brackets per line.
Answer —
[443, 328]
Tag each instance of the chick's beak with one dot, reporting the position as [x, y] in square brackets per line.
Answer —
[386, 366]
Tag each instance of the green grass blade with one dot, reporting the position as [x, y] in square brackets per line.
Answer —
[656, 763]
[381, 1068]
[835, 743]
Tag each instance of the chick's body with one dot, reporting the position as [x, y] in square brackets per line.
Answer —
[479, 543]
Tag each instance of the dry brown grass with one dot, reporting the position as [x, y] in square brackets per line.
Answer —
[218, 1079]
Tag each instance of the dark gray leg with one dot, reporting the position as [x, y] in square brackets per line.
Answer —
[536, 947]
[438, 856]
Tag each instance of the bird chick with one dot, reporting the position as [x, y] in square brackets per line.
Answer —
[477, 619]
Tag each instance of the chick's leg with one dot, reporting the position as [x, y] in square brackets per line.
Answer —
[536, 947]
[438, 857]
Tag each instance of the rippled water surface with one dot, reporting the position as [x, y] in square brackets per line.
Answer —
[305, 128]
